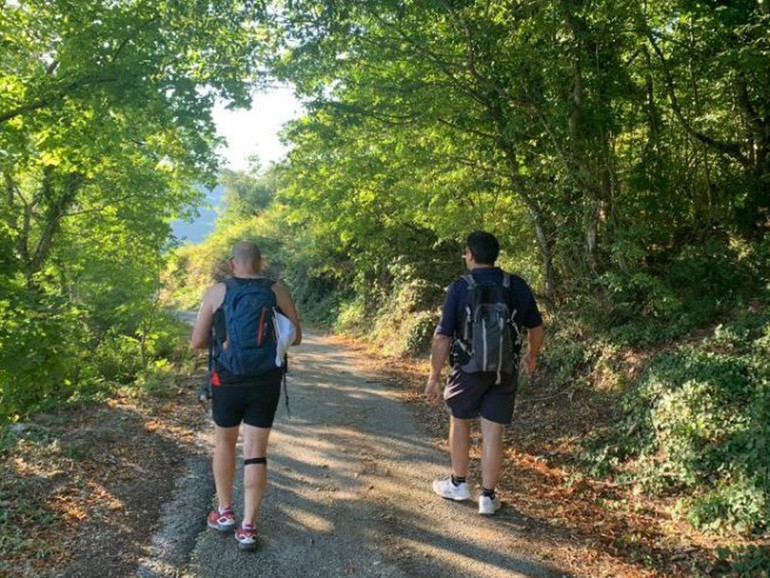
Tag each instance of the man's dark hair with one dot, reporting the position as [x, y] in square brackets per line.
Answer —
[483, 246]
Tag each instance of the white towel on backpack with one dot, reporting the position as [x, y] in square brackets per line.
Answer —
[285, 334]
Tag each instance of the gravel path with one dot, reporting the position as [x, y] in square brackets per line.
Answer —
[348, 495]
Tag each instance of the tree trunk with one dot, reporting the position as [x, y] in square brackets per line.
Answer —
[546, 254]
[57, 209]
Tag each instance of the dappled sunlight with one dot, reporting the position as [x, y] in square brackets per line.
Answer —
[352, 460]
[69, 506]
[618, 151]
[95, 473]
[306, 520]
[37, 468]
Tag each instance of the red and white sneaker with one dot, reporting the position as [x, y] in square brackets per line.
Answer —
[247, 537]
[222, 521]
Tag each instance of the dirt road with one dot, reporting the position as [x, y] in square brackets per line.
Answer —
[349, 494]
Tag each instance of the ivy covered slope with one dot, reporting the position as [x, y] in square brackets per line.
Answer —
[621, 152]
[105, 125]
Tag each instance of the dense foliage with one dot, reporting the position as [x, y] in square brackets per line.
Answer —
[620, 150]
[105, 127]
[610, 134]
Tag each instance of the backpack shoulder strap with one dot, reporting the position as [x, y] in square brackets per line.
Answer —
[468, 312]
[231, 291]
[508, 284]
[231, 287]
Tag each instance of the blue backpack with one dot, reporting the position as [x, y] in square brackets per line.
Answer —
[248, 308]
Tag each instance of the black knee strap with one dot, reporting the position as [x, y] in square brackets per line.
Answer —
[251, 461]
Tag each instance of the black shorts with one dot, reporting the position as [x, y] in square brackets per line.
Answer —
[253, 403]
[470, 395]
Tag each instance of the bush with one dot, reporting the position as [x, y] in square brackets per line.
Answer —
[701, 415]
[569, 356]
[157, 380]
[749, 560]
[640, 295]
[116, 358]
[52, 353]
[166, 338]
[402, 325]
[418, 332]
[40, 339]
[676, 293]
[351, 317]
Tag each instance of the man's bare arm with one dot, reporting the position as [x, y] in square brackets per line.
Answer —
[285, 303]
[202, 328]
[439, 353]
[535, 337]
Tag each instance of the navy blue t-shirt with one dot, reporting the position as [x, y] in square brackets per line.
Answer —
[453, 313]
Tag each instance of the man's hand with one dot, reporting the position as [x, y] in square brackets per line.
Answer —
[204, 394]
[535, 340]
[439, 353]
[530, 363]
[433, 390]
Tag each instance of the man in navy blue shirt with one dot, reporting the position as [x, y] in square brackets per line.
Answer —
[488, 395]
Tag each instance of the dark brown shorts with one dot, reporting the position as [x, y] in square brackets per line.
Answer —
[470, 395]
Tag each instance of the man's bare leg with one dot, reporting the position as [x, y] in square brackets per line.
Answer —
[491, 453]
[224, 463]
[254, 474]
[459, 445]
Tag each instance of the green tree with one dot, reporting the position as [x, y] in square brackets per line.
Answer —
[608, 129]
[248, 192]
[105, 126]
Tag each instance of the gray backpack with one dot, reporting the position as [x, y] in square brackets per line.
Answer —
[489, 332]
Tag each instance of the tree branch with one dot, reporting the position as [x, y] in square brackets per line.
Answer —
[760, 126]
[49, 100]
[53, 217]
[730, 149]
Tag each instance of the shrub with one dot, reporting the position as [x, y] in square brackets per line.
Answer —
[677, 292]
[40, 341]
[701, 414]
[418, 332]
[749, 560]
[116, 358]
[157, 380]
[402, 325]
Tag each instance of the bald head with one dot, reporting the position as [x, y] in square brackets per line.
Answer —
[246, 258]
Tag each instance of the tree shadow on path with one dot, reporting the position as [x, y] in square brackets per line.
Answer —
[349, 492]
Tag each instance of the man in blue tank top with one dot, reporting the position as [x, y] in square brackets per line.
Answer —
[489, 395]
[249, 400]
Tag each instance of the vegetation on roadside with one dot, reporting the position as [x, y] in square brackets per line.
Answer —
[105, 131]
[78, 476]
[620, 150]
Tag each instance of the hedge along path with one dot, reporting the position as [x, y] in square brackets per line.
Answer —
[349, 491]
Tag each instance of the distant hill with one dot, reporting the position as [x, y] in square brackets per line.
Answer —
[196, 230]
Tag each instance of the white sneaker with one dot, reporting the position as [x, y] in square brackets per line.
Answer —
[488, 506]
[446, 489]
